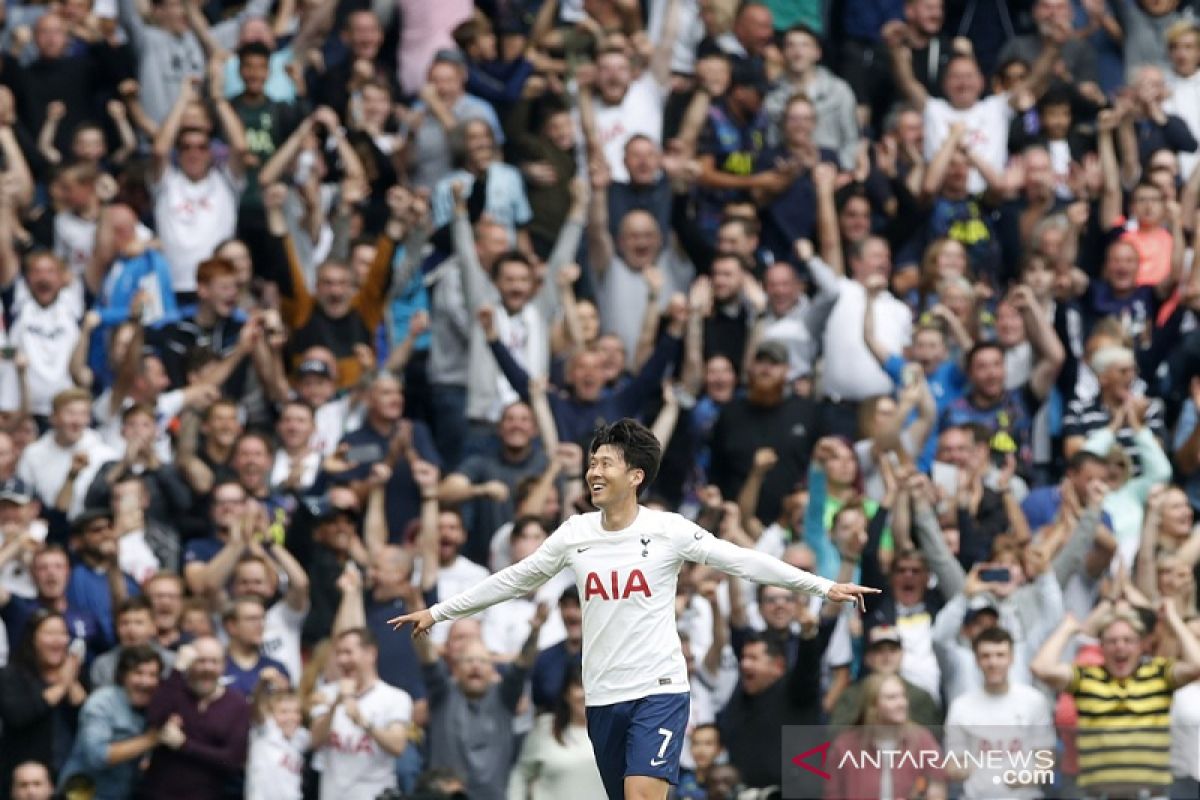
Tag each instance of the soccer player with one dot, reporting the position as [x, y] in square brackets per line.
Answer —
[626, 559]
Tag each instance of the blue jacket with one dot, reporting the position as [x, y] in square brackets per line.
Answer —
[128, 275]
[106, 717]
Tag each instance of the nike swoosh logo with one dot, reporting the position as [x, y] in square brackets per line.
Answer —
[581, 549]
[657, 762]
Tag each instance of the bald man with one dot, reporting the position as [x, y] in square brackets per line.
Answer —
[204, 727]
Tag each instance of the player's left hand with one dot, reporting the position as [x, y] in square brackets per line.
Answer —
[422, 621]
[850, 593]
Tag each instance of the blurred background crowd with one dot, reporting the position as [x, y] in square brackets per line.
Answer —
[310, 308]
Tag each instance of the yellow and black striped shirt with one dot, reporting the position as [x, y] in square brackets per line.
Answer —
[1124, 725]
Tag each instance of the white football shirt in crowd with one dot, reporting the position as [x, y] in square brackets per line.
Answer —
[987, 131]
[192, 218]
[1018, 721]
[275, 765]
[354, 765]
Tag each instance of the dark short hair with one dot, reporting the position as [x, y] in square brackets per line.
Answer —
[773, 644]
[1056, 95]
[521, 523]
[743, 262]
[254, 49]
[800, 27]
[365, 637]
[132, 657]
[635, 442]
[131, 604]
[980, 347]
[569, 597]
[707, 726]
[508, 257]
[993, 635]
[1081, 458]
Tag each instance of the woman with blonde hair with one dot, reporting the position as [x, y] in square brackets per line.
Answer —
[863, 760]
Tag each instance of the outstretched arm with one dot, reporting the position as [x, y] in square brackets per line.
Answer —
[759, 567]
[516, 581]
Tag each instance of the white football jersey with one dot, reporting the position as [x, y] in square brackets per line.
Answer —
[626, 582]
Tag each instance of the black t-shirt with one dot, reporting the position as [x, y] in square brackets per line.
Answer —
[790, 429]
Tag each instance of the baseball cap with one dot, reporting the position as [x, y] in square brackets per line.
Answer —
[322, 508]
[979, 604]
[88, 516]
[884, 634]
[14, 490]
[448, 55]
[771, 350]
[314, 366]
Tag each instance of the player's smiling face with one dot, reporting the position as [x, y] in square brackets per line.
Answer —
[609, 478]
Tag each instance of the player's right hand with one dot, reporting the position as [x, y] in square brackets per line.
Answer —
[422, 621]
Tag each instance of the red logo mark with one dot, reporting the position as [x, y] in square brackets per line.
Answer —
[823, 749]
[636, 583]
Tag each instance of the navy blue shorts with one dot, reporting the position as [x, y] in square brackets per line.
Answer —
[638, 737]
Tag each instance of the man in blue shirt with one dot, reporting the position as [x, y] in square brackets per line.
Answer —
[245, 621]
[553, 664]
[97, 583]
[1042, 504]
[1008, 414]
[733, 138]
[51, 573]
[112, 736]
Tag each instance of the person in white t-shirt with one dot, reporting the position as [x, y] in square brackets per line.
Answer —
[195, 203]
[855, 374]
[986, 119]
[626, 559]
[47, 306]
[624, 106]
[1001, 715]
[361, 724]
[62, 463]
[278, 742]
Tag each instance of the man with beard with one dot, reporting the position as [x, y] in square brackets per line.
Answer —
[97, 583]
[253, 457]
[203, 728]
[112, 735]
[767, 416]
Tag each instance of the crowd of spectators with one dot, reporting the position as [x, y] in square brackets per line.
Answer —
[311, 306]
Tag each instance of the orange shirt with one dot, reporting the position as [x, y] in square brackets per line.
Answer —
[1154, 254]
